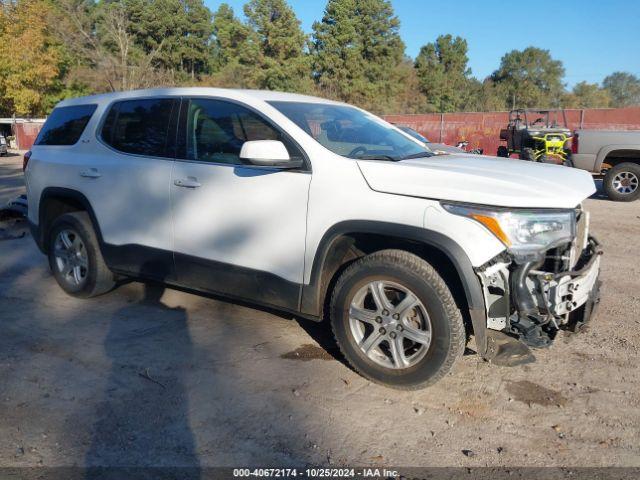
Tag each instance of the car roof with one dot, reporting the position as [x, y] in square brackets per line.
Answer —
[230, 93]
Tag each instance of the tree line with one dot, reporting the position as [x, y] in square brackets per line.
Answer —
[54, 49]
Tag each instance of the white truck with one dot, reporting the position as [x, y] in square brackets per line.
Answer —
[319, 209]
[614, 154]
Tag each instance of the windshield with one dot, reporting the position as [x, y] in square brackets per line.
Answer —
[350, 132]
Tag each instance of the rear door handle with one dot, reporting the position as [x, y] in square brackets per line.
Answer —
[189, 182]
[91, 173]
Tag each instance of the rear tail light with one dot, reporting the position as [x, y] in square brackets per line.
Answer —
[574, 143]
[25, 160]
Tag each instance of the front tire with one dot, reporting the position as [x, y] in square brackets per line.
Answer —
[528, 155]
[503, 151]
[75, 257]
[396, 321]
[622, 182]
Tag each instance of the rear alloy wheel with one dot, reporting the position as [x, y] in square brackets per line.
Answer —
[622, 182]
[395, 320]
[75, 257]
[70, 258]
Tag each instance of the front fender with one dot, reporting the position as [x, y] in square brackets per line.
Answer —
[333, 246]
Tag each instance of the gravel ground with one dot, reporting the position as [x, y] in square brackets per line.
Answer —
[153, 376]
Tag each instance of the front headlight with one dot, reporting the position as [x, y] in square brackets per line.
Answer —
[523, 232]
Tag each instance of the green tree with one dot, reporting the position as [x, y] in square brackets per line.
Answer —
[358, 53]
[530, 78]
[100, 39]
[483, 96]
[444, 74]
[337, 52]
[624, 89]
[587, 95]
[233, 51]
[195, 48]
[178, 31]
[280, 62]
[408, 98]
[232, 39]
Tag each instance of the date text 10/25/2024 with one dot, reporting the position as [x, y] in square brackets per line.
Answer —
[315, 472]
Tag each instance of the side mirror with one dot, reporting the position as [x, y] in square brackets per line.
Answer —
[268, 153]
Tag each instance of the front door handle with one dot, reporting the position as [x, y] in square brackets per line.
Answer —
[91, 173]
[189, 182]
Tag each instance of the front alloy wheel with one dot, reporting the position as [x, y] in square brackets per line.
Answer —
[390, 324]
[395, 320]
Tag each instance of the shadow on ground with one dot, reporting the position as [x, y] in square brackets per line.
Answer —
[155, 422]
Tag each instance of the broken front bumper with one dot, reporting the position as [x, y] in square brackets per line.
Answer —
[530, 303]
[571, 297]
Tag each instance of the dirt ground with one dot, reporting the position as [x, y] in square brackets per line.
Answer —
[153, 376]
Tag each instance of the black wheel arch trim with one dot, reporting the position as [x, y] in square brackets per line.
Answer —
[38, 231]
[331, 247]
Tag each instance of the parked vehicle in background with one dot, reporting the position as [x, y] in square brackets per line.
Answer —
[3, 146]
[437, 148]
[614, 154]
[537, 136]
[405, 253]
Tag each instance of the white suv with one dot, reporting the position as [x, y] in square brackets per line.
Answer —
[321, 209]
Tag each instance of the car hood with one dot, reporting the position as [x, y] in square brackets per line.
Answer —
[481, 180]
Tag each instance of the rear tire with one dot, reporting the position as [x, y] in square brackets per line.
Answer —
[503, 151]
[414, 340]
[75, 257]
[622, 182]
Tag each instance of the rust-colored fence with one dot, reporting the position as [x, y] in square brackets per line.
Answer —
[482, 130]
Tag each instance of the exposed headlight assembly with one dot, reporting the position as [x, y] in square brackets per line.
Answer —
[524, 232]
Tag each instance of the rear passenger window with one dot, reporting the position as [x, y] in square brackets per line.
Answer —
[65, 125]
[140, 127]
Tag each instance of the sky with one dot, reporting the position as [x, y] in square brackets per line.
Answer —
[592, 38]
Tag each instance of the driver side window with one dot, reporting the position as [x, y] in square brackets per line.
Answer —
[216, 131]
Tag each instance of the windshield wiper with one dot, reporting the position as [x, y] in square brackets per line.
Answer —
[417, 155]
[377, 157]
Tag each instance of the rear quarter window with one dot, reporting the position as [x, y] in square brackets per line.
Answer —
[139, 127]
[65, 125]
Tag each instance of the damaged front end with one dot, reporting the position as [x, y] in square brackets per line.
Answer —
[530, 297]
